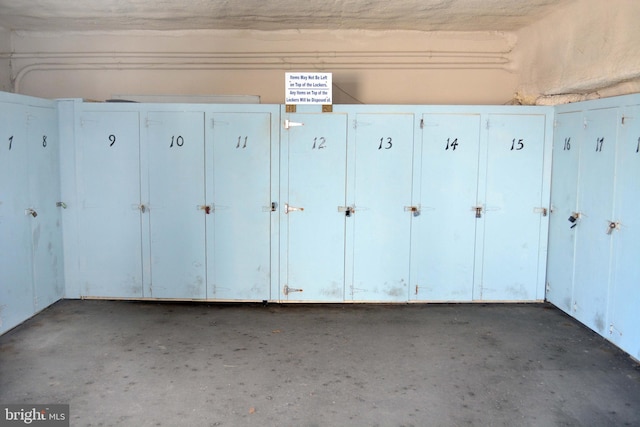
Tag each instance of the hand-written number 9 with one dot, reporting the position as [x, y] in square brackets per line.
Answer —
[112, 138]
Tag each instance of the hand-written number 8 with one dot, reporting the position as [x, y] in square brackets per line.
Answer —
[44, 140]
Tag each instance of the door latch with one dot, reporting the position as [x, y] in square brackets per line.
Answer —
[415, 210]
[542, 211]
[289, 124]
[573, 219]
[206, 208]
[348, 210]
[478, 210]
[142, 208]
[62, 205]
[288, 208]
[613, 226]
[287, 290]
[31, 212]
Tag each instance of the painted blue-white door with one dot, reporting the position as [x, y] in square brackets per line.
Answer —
[174, 195]
[312, 197]
[564, 218]
[108, 181]
[239, 226]
[16, 285]
[444, 234]
[513, 209]
[382, 209]
[595, 204]
[44, 192]
[625, 289]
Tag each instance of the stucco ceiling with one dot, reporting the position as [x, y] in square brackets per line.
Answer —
[422, 15]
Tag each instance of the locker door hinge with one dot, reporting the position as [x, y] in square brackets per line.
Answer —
[287, 290]
[487, 124]
[421, 123]
[289, 124]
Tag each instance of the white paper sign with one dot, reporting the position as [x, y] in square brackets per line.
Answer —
[308, 88]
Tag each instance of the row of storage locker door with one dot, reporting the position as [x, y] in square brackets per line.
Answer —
[593, 267]
[31, 263]
[256, 203]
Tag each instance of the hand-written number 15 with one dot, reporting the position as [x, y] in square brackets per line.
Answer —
[519, 146]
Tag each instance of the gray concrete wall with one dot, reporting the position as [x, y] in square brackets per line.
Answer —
[5, 62]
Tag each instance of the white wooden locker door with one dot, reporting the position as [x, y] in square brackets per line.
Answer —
[108, 180]
[568, 135]
[16, 285]
[625, 291]
[595, 204]
[512, 208]
[176, 204]
[44, 192]
[313, 188]
[382, 207]
[239, 247]
[444, 234]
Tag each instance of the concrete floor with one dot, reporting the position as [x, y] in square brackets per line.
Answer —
[161, 364]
